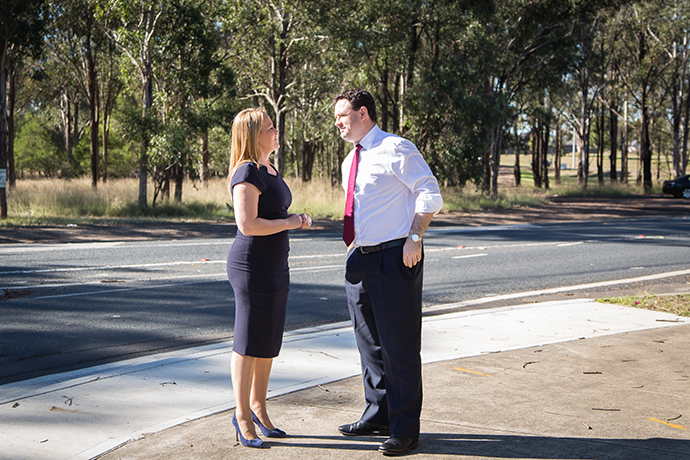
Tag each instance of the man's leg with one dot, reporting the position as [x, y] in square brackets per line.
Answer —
[364, 326]
[395, 292]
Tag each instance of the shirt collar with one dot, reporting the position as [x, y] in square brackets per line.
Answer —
[367, 141]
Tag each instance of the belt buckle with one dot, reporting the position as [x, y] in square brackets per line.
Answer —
[371, 249]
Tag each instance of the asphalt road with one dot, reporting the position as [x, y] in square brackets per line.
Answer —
[68, 306]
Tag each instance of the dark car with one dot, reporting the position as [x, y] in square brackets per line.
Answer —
[679, 187]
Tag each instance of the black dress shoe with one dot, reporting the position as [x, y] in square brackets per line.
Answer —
[361, 428]
[397, 445]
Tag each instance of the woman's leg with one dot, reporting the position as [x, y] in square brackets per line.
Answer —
[242, 371]
[262, 372]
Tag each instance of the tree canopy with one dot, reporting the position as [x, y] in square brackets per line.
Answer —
[149, 88]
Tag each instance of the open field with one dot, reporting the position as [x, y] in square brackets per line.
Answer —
[60, 202]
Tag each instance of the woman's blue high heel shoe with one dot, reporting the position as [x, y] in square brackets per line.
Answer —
[274, 433]
[245, 442]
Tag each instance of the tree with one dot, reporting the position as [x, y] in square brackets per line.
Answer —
[76, 41]
[21, 24]
[530, 40]
[270, 43]
[645, 69]
[134, 26]
[673, 37]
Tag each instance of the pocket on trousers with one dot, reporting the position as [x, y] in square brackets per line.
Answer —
[352, 269]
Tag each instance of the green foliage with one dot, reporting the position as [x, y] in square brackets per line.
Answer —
[35, 150]
[463, 79]
[193, 210]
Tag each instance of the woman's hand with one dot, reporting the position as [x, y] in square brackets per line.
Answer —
[306, 221]
[298, 221]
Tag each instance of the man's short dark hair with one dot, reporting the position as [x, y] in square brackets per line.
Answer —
[359, 98]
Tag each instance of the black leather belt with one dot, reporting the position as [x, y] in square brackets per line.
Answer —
[382, 246]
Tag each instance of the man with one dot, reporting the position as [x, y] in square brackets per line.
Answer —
[392, 197]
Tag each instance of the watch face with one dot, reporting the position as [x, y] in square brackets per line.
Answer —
[414, 237]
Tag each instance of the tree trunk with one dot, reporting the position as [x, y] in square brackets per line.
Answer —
[3, 131]
[558, 148]
[496, 159]
[600, 146]
[516, 168]
[178, 175]
[279, 94]
[204, 174]
[396, 103]
[645, 147]
[536, 152]
[11, 98]
[93, 111]
[585, 108]
[624, 145]
[308, 148]
[384, 99]
[105, 135]
[147, 80]
[545, 155]
[613, 134]
[686, 129]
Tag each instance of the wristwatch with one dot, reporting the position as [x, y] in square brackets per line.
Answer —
[414, 237]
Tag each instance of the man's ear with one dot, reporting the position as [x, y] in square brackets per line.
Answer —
[363, 112]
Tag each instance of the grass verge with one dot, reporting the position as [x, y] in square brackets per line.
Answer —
[676, 304]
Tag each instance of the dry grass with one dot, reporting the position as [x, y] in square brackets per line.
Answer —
[51, 201]
[676, 304]
[55, 201]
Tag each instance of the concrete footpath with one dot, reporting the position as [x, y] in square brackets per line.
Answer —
[556, 380]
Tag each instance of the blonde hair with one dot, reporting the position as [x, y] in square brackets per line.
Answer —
[244, 147]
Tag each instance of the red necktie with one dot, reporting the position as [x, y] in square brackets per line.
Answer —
[349, 224]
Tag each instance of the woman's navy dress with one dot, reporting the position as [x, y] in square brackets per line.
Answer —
[258, 270]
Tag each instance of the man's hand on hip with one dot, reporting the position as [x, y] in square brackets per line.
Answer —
[412, 253]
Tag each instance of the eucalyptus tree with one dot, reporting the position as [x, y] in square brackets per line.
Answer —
[611, 95]
[133, 25]
[190, 79]
[674, 39]
[110, 86]
[21, 24]
[447, 113]
[528, 39]
[75, 41]
[271, 43]
[645, 64]
[309, 125]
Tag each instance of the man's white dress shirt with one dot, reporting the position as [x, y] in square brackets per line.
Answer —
[393, 184]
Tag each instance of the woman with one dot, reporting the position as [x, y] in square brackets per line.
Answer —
[257, 268]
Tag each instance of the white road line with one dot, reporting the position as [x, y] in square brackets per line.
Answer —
[113, 267]
[24, 248]
[84, 283]
[501, 246]
[167, 285]
[469, 256]
[57, 247]
[315, 256]
[324, 267]
[152, 265]
[124, 289]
